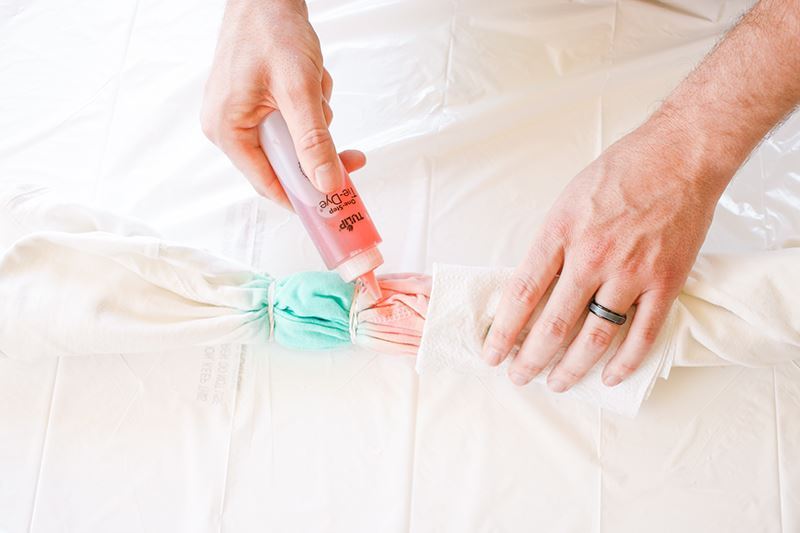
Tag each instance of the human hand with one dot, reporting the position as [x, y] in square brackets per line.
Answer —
[626, 230]
[268, 58]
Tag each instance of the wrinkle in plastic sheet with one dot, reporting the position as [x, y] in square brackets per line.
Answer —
[434, 91]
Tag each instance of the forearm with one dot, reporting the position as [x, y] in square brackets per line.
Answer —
[742, 89]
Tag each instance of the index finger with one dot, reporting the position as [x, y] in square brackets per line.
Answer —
[520, 297]
[303, 109]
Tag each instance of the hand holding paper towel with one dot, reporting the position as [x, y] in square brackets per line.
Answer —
[734, 309]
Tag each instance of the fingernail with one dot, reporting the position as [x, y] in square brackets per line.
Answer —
[557, 386]
[328, 177]
[612, 381]
[518, 379]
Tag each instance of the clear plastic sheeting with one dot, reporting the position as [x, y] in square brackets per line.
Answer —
[474, 115]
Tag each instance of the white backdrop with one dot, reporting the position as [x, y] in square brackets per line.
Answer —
[474, 115]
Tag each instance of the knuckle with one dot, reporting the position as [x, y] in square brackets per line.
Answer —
[601, 247]
[666, 280]
[599, 338]
[557, 229]
[554, 327]
[647, 336]
[627, 368]
[628, 272]
[499, 338]
[290, 74]
[593, 262]
[529, 368]
[316, 139]
[524, 290]
[570, 374]
[298, 82]
[225, 140]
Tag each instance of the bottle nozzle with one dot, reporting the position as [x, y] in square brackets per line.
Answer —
[362, 267]
[371, 286]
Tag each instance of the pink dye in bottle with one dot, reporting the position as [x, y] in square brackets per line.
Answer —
[338, 222]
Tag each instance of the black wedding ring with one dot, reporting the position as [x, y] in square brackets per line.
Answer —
[607, 314]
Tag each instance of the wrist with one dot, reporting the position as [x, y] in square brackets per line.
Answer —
[706, 152]
[247, 8]
[287, 3]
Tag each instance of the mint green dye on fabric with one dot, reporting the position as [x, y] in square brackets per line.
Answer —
[312, 311]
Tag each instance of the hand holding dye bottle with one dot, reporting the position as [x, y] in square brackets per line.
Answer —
[268, 57]
[337, 222]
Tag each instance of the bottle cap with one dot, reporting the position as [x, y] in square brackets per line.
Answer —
[359, 264]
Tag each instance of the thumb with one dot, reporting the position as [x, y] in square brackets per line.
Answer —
[305, 117]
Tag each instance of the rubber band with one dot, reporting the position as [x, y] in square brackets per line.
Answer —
[354, 314]
[270, 309]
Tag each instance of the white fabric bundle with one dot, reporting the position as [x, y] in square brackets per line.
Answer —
[79, 281]
[87, 281]
[75, 280]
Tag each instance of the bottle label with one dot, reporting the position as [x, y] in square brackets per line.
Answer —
[338, 223]
[335, 203]
[347, 223]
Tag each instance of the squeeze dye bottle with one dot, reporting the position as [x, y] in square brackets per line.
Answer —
[338, 222]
